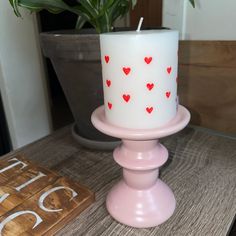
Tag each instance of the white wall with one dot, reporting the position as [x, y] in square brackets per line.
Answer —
[22, 82]
[173, 14]
[209, 20]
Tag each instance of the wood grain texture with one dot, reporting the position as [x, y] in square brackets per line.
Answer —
[201, 171]
[151, 10]
[14, 171]
[51, 221]
[17, 197]
[29, 192]
[207, 83]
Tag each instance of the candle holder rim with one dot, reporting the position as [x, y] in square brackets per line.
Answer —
[179, 122]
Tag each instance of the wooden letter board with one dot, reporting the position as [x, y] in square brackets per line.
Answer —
[35, 200]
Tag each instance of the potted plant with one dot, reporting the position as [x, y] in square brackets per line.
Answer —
[75, 56]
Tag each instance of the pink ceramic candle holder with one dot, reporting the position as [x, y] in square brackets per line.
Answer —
[141, 199]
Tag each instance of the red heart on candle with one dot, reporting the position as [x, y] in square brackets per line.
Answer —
[107, 58]
[148, 60]
[108, 83]
[109, 105]
[126, 70]
[126, 97]
[168, 94]
[169, 69]
[150, 86]
[149, 109]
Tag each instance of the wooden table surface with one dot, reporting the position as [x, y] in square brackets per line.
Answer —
[201, 171]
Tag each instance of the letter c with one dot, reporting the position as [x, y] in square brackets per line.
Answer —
[19, 213]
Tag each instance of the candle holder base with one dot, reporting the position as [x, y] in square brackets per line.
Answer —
[141, 208]
[141, 199]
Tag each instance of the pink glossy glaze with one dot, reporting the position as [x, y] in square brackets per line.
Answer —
[141, 199]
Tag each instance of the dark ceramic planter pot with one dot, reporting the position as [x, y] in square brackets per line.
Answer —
[76, 60]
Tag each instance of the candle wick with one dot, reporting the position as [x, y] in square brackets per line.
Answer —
[140, 24]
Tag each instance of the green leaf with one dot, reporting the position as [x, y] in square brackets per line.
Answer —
[134, 2]
[101, 14]
[80, 22]
[14, 4]
[90, 7]
[192, 3]
[115, 9]
[53, 6]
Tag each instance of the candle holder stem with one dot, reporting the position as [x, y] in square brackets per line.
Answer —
[141, 161]
[141, 199]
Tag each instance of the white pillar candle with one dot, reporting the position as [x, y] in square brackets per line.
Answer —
[140, 77]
